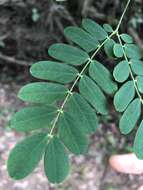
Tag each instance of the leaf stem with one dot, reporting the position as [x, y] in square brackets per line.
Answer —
[123, 14]
[130, 69]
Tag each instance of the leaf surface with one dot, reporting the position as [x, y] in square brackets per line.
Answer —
[72, 134]
[102, 77]
[81, 38]
[121, 71]
[124, 96]
[42, 92]
[133, 51]
[54, 71]
[130, 117]
[108, 47]
[32, 118]
[126, 38]
[26, 155]
[118, 50]
[94, 29]
[82, 111]
[108, 28]
[138, 142]
[92, 93]
[68, 54]
[56, 162]
[137, 66]
[140, 83]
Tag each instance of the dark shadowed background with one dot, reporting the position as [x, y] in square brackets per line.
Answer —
[27, 29]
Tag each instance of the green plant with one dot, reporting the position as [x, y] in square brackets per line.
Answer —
[68, 116]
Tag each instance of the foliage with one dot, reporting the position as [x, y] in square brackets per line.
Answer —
[69, 115]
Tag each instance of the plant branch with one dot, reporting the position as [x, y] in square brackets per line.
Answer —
[14, 60]
[123, 14]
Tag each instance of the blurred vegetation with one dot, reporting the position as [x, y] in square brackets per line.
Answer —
[27, 28]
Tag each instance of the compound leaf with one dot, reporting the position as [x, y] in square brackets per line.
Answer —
[68, 54]
[130, 117]
[32, 118]
[72, 134]
[126, 38]
[137, 66]
[102, 77]
[26, 155]
[56, 162]
[133, 51]
[42, 92]
[138, 142]
[118, 50]
[81, 38]
[92, 93]
[54, 71]
[82, 111]
[121, 71]
[124, 96]
[94, 29]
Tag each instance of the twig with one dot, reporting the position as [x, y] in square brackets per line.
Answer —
[14, 60]
[93, 12]
[86, 5]
[12, 2]
[62, 13]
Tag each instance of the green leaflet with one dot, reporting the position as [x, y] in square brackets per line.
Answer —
[140, 83]
[68, 54]
[108, 28]
[94, 29]
[81, 38]
[137, 66]
[124, 96]
[56, 162]
[130, 117]
[102, 77]
[133, 51]
[118, 50]
[138, 142]
[81, 111]
[26, 155]
[92, 93]
[121, 71]
[108, 47]
[72, 134]
[54, 71]
[126, 38]
[42, 92]
[32, 118]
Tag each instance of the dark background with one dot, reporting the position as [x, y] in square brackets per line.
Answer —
[28, 27]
